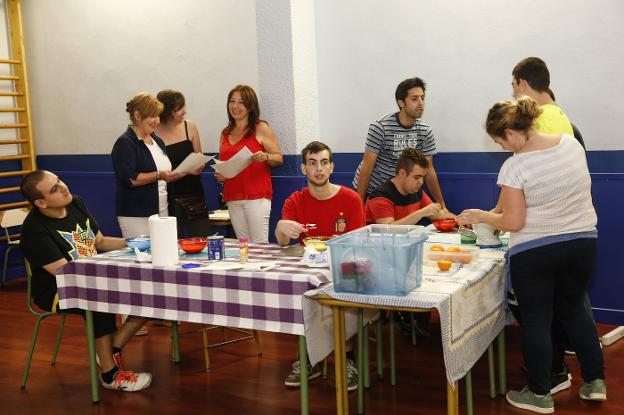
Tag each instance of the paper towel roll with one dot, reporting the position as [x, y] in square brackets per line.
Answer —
[164, 239]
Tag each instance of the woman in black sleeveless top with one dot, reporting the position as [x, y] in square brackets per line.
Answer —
[182, 138]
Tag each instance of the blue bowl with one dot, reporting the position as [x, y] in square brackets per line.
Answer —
[140, 242]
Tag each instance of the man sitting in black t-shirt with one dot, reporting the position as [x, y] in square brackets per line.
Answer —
[59, 229]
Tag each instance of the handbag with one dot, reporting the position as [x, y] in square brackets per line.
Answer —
[194, 206]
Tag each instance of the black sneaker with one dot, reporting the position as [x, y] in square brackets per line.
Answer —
[293, 380]
[352, 376]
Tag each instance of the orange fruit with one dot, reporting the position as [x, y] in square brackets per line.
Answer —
[453, 253]
[444, 265]
[436, 248]
[464, 258]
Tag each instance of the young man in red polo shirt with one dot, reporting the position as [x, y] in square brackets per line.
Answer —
[333, 210]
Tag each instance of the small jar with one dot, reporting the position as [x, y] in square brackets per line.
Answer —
[468, 240]
[243, 246]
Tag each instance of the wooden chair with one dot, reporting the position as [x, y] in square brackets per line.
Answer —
[245, 335]
[41, 315]
[9, 219]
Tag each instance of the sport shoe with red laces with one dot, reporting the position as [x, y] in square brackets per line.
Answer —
[128, 381]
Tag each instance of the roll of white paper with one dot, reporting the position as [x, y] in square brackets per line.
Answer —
[164, 239]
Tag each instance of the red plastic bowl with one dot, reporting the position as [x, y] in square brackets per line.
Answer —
[192, 245]
[444, 225]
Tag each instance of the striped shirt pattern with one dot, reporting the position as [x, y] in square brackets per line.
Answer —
[388, 138]
[556, 186]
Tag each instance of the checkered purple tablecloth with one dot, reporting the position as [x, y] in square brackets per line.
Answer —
[268, 300]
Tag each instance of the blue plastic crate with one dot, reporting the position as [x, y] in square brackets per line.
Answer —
[378, 260]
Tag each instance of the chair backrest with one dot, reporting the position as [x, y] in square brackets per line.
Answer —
[29, 301]
[12, 217]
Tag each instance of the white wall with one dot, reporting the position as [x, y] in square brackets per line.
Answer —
[88, 58]
[465, 51]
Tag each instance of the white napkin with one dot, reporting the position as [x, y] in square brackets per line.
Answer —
[142, 256]
[313, 257]
[222, 266]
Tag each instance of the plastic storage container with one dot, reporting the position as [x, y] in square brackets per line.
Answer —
[378, 260]
[454, 253]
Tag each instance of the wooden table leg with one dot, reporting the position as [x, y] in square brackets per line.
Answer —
[303, 375]
[452, 399]
[360, 361]
[342, 404]
[95, 387]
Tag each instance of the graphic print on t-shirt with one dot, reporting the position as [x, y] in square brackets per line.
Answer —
[340, 225]
[82, 241]
[406, 140]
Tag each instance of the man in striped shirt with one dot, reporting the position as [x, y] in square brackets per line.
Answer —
[389, 136]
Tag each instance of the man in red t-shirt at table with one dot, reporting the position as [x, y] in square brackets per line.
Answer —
[320, 209]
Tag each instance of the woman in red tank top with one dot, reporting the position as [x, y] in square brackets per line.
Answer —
[248, 194]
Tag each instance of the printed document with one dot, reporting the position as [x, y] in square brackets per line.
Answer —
[235, 165]
[192, 162]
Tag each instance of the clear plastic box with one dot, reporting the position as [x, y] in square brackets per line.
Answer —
[378, 260]
[454, 253]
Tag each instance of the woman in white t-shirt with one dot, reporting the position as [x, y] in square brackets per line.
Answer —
[546, 205]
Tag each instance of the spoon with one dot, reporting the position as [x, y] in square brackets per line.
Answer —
[309, 226]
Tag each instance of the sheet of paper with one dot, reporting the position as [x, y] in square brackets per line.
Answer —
[192, 162]
[221, 214]
[233, 166]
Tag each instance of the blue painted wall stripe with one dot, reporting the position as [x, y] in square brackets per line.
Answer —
[482, 162]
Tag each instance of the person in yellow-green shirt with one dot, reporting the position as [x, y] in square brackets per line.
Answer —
[531, 77]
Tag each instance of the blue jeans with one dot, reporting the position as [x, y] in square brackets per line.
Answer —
[551, 282]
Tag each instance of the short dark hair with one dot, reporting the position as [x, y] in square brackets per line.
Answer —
[535, 72]
[401, 91]
[315, 147]
[410, 157]
[172, 101]
[28, 187]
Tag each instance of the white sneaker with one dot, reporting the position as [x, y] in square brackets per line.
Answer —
[128, 381]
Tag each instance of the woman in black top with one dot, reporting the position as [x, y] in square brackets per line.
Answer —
[181, 137]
